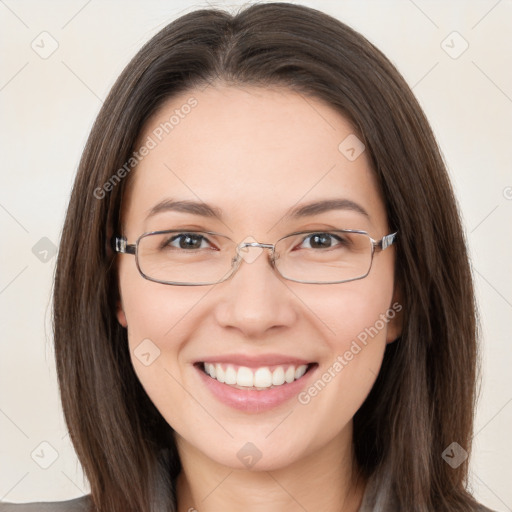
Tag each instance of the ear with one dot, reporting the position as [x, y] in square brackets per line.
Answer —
[395, 315]
[121, 317]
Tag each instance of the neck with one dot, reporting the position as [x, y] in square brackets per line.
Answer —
[324, 480]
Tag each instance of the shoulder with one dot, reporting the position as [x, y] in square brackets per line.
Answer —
[378, 497]
[82, 504]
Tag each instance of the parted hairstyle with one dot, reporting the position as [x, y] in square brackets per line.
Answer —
[425, 394]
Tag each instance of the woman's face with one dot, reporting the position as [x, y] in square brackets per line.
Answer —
[253, 154]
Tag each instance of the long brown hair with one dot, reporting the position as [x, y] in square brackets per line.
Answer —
[424, 397]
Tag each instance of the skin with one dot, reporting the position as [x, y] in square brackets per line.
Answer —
[255, 153]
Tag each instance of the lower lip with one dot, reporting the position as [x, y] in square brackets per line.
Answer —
[253, 400]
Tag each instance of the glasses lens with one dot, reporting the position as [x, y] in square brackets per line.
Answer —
[185, 257]
[324, 257]
[206, 258]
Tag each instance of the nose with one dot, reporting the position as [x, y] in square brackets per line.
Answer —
[256, 298]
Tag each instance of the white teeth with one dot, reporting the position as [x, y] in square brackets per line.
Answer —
[220, 373]
[209, 369]
[300, 371]
[261, 378]
[278, 376]
[230, 376]
[289, 376]
[245, 377]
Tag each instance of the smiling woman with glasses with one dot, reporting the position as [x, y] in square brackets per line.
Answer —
[263, 299]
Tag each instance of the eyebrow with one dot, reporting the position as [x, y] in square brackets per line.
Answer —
[301, 211]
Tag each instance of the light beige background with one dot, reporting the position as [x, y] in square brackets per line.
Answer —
[48, 106]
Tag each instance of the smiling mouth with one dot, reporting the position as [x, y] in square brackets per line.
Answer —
[261, 378]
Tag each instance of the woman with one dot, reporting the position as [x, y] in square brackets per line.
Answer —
[263, 298]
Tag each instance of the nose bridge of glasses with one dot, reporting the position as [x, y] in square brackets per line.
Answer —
[242, 245]
[242, 250]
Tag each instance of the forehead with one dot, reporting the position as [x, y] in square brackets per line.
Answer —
[246, 149]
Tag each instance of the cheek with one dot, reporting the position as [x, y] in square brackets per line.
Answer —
[154, 310]
[351, 312]
[360, 321]
[357, 317]
[158, 318]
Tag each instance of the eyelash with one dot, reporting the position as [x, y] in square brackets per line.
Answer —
[175, 237]
[181, 235]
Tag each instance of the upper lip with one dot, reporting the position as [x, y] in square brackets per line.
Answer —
[255, 361]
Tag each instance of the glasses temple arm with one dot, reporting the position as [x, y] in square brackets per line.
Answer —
[386, 241]
[119, 245]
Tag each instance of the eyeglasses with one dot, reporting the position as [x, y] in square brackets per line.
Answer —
[197, 258]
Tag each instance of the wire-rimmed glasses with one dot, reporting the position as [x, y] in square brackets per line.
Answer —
[197, 258]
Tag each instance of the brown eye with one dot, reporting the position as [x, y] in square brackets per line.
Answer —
[323, 240]
[184, 241]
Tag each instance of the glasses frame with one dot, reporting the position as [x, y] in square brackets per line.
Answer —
[120, 245]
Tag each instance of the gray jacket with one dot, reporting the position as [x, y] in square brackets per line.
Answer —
[374, 500]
